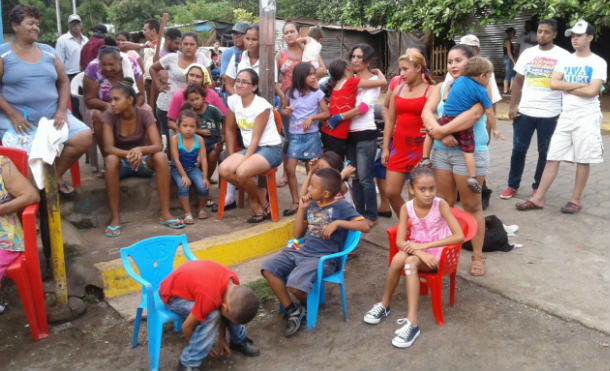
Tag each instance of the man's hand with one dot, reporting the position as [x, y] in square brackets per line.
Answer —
[512, 112]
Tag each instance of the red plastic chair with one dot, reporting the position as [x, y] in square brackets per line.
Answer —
[447, 265]
[271, 187]
[25, 270]
[75, 168]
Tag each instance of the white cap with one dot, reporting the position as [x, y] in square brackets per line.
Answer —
[470, 40]
[73, 17]
[579, 28]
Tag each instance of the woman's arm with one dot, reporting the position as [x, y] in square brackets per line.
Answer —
[401, 233]
[388, 127]
[257, 131]
[140, 97]
[230, 131]
[369, 83]
[92, 100]
[509, 51]
[321, 71]
[18, 186]
[63, 89]
[20, 124]
[154, 140]
[154, 75]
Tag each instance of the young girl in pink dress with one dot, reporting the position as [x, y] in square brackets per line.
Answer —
[432, 226]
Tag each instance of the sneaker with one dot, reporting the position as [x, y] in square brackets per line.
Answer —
[376, 314]
[246, 347]
[508, 193]
[510, 229]
[294, 318]
[406, 335]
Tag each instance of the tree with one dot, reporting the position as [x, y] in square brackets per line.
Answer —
[450, 17]
[92, 12]
[131, 14]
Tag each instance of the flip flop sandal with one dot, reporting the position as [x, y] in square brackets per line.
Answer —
[570, 208]
[173, 223]
[477, 267]
[112, 231]
[66, 190]
[202, 214]
[188, 219]
[473, 185]
[209, 203]
[256, 218]
[528, 205]
[281, 184]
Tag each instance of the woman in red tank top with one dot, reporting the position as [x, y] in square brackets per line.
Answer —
[404, 125]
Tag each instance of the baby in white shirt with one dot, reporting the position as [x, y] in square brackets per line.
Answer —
[313, 46]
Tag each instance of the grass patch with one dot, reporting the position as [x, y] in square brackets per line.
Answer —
[261, 290]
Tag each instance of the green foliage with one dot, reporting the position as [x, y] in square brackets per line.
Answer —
[92, 12]
[261, 290]
[242, 15]
[450, 17]
[201, 10]
[131, 14]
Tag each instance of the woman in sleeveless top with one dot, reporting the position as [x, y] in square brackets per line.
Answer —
[404, 125]
[508, 50]
[447, 161]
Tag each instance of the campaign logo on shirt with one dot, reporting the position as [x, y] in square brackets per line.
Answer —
[577, 74]
[539, 71]
[245, 124]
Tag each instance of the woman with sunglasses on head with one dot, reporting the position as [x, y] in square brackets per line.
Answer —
[34, 85]
[262, 142]
[110, 66]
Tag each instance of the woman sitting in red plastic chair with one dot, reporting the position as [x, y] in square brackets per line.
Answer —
[433, 227]
[262, 142]
[16, 192]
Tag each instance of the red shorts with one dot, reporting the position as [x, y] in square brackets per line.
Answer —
[406, 152]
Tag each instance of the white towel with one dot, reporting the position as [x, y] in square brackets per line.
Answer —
[46, 146]
[128, 70]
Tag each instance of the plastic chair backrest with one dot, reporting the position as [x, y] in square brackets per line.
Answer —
[19, 158]
[76, 85]
[278, 121]
[154, 256]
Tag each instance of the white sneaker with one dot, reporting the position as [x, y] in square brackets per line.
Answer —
[511, 229]
[376, 314]
[406, 335]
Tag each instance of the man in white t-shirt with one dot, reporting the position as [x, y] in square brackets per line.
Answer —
[533, 105]
[577, 137]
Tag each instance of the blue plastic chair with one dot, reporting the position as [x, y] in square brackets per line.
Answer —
[316, 295]
[154, 258]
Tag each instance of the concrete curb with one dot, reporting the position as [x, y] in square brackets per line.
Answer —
[229, 249]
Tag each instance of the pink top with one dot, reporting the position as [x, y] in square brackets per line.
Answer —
[178, 99]
[432, 227]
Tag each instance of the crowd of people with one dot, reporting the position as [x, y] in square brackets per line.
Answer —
[436, 139]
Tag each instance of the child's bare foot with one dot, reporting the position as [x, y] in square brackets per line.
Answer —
[473, 185]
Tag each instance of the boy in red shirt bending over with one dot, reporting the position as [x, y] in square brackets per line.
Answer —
[202, 293]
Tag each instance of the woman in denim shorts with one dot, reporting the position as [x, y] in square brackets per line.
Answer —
[262, 141]
[448, 163]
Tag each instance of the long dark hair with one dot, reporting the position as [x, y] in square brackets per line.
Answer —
[336, 69]
[467, 50]
[368, 53]
[299, 77]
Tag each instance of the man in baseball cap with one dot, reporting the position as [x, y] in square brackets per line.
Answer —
[240, 27]
[68, 48]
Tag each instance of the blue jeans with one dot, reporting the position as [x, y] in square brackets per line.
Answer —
[196, 177]
[509, 72]
[523, 130]
[162, 120]
[362, 156]
[205, 333]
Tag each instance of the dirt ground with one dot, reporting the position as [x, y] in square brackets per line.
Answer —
[483, 331]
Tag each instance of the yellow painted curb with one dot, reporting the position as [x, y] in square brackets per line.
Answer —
[228, 249]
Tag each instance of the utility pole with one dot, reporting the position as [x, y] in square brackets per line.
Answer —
[58, 18]
[266, 79]
[73, 6]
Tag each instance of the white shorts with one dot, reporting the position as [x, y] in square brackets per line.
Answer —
[577, 138]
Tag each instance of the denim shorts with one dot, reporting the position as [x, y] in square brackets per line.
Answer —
[75, 126]
[210, 143]
[298, 270]
[304, 146]
[142, 171]
[453, 161]
[273, 154]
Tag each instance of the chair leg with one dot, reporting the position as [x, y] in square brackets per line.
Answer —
[313, 301]
[27, 301]
[222, 192]
[452, 289]
[75, 174]
[423, 288]
[155, 331]
[343, 303]
[272, 191]
[322, 292]
[437, 304]
[136, 328]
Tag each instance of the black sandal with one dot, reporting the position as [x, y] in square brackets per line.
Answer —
[291, 211]
[256, 218]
